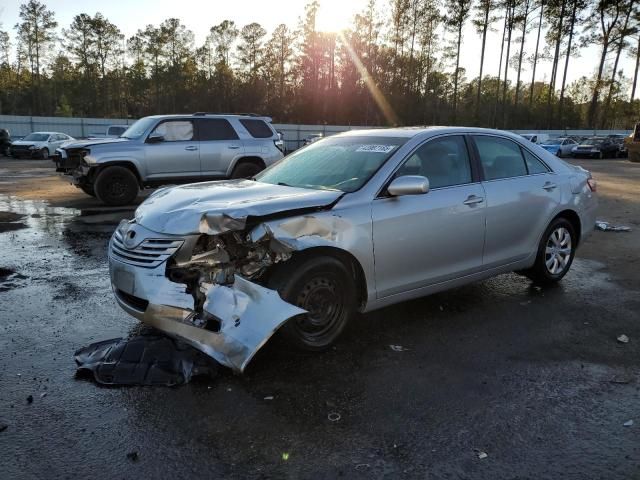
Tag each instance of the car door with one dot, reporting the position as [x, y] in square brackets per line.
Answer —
[176, 156]
[420, 240]
[566, 146]
[219, 146]
[521, 194]
[55, 141]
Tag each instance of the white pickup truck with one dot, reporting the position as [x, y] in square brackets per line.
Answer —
[113, 131]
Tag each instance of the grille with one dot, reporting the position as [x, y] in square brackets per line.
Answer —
[150, 253]
[20, 149]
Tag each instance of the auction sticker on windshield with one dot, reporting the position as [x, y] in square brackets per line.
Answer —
[376, 148]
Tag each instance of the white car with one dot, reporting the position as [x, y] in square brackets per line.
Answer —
[39, 144]
[538, 138]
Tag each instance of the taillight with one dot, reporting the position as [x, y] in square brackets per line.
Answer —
[592, 184]
[279, 145]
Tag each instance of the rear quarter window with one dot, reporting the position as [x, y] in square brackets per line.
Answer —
[257, 128]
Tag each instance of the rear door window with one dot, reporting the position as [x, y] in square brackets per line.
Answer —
[216, 129]
[257, 128]
[500, 158]
[534, 165]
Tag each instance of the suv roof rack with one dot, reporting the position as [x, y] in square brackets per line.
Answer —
[201, 114]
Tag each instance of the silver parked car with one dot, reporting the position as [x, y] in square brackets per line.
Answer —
[39, 144]
[354, 222]
[172, 149]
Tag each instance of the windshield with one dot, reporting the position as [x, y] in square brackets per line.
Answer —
[37, 137]
[137, 129]
[335, 163]
[592, 141]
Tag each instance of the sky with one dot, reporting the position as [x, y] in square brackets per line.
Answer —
[334, 15]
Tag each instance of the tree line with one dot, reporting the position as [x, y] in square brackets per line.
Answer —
[398, 64]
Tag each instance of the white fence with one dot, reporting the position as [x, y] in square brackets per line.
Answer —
[293, 134]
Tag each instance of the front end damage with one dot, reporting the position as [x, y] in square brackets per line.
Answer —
[207, 288]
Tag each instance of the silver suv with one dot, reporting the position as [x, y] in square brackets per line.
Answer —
[170, 149]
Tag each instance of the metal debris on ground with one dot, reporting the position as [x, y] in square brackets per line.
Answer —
[607, 227]
[270, 397]
[148, 359]
[43, 394]
[628, 423]
[398, 348]
[482, 455]
[334, 417]
[623, 339]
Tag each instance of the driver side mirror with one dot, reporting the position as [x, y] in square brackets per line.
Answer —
[155, 137]
[408, 185]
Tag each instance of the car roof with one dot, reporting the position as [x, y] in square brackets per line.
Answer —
[48, 133]
[212, 115]
[411, 132]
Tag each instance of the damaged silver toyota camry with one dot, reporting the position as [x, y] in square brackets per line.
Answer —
[351, 223]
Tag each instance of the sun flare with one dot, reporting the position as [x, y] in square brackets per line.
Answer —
[334, 16]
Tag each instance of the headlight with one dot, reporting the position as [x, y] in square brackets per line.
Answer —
[32, 147]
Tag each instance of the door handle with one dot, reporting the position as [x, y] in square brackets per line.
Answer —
[548, 186]
[191, 148]
[473, 199]
[234, 147]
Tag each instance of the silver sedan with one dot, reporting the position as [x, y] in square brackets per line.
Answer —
[353, 222]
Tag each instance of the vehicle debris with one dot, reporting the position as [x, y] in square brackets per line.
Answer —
[628, 423]
[269, 397]
[623, 339]
[607, 227]
[398, 348]
[480, 454]
[148, 359]
[334, 417]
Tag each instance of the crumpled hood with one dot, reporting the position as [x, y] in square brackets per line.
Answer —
[221, 206]
[91, 143]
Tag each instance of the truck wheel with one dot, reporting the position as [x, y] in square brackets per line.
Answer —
[88, 189]
[116, 186]
[323, 287]
[246, 170]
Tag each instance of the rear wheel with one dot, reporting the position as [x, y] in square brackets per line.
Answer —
[555, 253]
[246, 170]
[116, 186]
[324, 288]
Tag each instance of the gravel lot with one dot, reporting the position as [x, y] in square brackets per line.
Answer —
[535, 379]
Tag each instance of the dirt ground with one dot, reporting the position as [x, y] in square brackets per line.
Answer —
[533, 378]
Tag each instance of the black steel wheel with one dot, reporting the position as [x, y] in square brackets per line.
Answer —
[325, 289]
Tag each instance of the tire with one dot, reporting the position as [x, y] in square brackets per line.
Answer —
[600, 156]
[246, 170]
[324, 287]
[88, 189]
[116, 186]
[44, 153]
[546, 270]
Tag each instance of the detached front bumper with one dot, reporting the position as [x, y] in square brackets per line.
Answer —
[247, 314]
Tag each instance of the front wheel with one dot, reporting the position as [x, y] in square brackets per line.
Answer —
[116, 186]
[555, 253]
[324, 288]
[44, 153]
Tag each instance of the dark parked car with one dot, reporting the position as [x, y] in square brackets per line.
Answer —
[596, 147]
